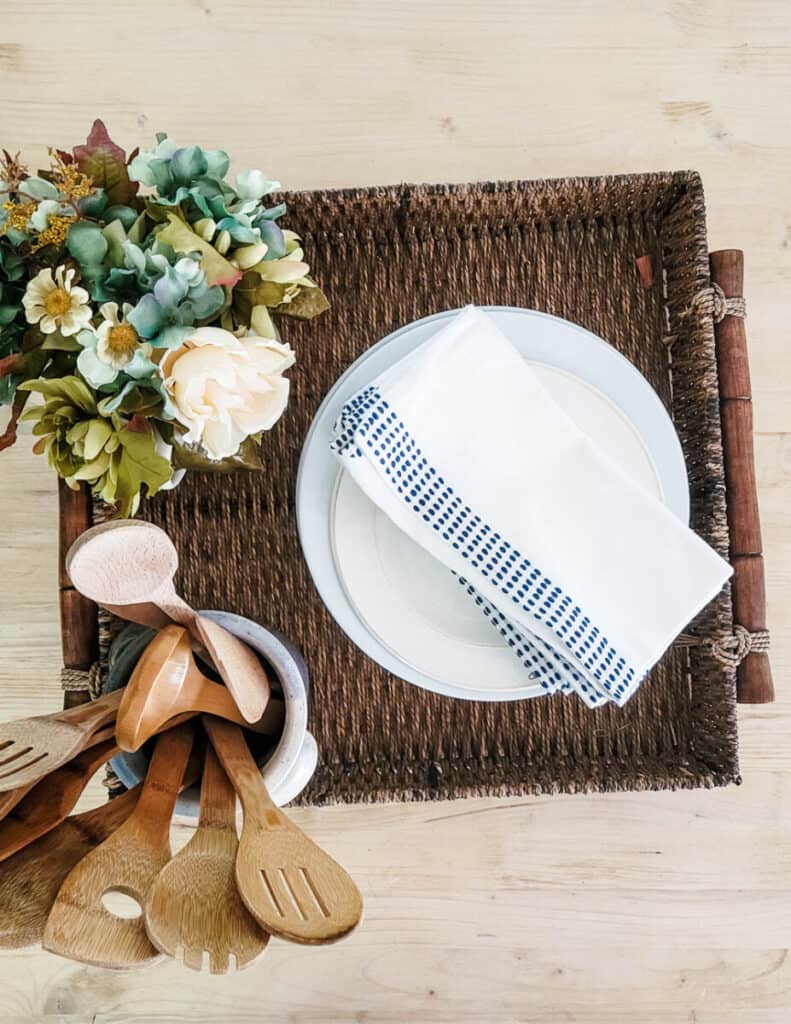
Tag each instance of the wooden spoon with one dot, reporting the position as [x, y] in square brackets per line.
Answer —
[9, 800]
[50, 800]
[30, 880]
[194, 911]
[130, 564]
[79, 926]
[166, 682]
[288, 883]
[32, 747]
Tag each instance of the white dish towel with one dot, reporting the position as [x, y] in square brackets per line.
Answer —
[588, 577]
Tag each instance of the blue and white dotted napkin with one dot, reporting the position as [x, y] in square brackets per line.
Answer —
[588, 577]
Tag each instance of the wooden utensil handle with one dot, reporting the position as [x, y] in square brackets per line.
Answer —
[163, 782]
[177, 610]
[94, 714]
[754, 683]
[234, 754]
[94, 757]
[217, 795]
[217, 700]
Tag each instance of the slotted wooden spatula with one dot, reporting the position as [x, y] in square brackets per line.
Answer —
[194, 911]
[51, 799]
[29, 881]
[32, 747]
[79, 925]
[10, 799]
[288, 883]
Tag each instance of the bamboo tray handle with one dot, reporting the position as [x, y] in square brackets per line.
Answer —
[754, 675]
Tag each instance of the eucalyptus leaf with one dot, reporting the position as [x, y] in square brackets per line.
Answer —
[86, 243]
[38, 188]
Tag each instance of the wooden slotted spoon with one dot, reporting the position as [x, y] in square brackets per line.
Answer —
[79, 926]
[127, 566]
[9, 800]
[194, 911]
[32, 747]
[51, 799]
[167, 683]
[288, 883]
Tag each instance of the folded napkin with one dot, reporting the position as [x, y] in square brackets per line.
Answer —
[588, 577]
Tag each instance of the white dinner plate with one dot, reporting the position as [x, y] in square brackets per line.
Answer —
[404, 609]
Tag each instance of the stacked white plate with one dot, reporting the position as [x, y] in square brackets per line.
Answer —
[391, 598]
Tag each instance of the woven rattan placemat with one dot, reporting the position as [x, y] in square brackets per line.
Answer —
[386, 256]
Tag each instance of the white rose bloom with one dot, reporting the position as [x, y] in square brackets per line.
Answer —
[226, 388]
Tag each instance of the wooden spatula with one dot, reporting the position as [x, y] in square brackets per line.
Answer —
[167, 683]
[51, 799]
[129, 563]
[30, 880]
[10, 799]
[288, 883]
[194, 911]
[32, 747]
[79, 925]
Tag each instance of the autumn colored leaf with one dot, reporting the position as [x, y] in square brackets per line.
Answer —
[105, 164]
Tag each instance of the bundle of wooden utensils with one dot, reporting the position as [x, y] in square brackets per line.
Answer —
[216, 902]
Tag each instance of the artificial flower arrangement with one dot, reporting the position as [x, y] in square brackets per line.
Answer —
[135, 298]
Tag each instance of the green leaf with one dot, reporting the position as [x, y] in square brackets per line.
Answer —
[38, 188]
[114, 234]
[309, 303]
[127, 215]
[70, 388]
[193, 457]
[97, 435]
[86, 243]
[8, 314]
[94, 205]
[57, 343]
[180, 237]
[105, 164]
[137, 465]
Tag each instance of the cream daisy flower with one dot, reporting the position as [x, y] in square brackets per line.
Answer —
[55, 304]
[114, 346]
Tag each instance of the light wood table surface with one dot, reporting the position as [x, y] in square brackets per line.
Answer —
[625, 908]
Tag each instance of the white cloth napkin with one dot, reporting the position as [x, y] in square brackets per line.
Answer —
[588, 577]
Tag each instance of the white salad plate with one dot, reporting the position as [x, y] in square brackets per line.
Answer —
[397, 603]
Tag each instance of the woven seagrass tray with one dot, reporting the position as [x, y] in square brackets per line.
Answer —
[625, 257]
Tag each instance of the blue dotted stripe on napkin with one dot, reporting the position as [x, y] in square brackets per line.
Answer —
[544, 664]
[367, 419]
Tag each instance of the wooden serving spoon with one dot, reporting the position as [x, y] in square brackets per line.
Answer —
[32, 747]
[127, 566]
[288, 883]
[9, 800]
[51, 799]
[30, 880]
[167, 683]
[194, 911]
[79, 926]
